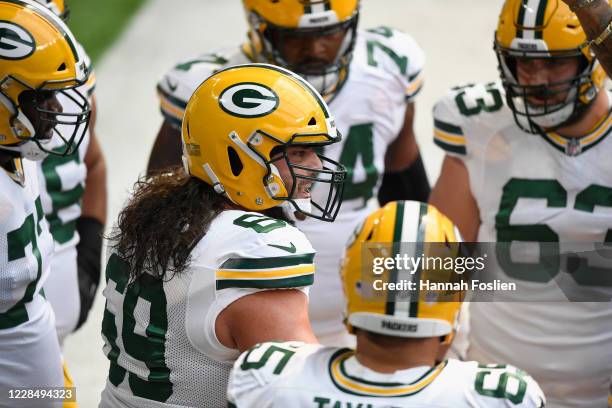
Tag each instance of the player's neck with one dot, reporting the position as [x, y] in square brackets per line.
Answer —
[593, 117]
[390, 354]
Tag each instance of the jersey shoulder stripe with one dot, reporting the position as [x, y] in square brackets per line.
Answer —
[266, 273]
[449, 137]
[172, 108]
[251, 250]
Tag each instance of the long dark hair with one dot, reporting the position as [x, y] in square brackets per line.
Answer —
[164, 220]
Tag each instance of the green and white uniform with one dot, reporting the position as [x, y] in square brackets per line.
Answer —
[384, 76]
[160, 335]
[29, 351]
[279, 375]
[537, 188]
[62, 186]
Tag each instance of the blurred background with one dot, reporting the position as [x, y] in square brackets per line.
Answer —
[133, 42]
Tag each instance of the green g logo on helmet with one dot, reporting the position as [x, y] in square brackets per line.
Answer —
[15, 41]
[248, 100]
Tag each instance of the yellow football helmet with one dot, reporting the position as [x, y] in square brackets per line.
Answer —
[271, 23]
[545, 29]
[59, 7]
[237, 117]
[423, 313]
[39, 61]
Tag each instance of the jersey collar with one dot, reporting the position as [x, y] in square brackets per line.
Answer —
[574, 146]
[348, 375]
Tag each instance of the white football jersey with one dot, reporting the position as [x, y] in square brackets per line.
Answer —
[385, 75]
[63, 178]
[294, 374]
[537, 188]
[160, 336]
[29, 351]
[26, 247]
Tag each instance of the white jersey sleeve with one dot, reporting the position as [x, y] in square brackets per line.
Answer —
[179, 83]
[242, 253]
[264, 364]
[397, 53]
[503, 386]
[466, 117]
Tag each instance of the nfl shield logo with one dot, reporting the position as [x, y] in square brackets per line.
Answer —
[573, 147]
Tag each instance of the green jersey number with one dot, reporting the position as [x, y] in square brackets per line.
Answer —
[359, 144]
[17, 241]
[259, 223]
[501, 391]
[148, 347]
[285, 355]
[469, 107]
[61, 199]
[205, 59]
[550, 261]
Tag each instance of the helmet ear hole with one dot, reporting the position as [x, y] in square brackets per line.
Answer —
[235, 162]
[62, 67]
[369, 237]
[312, 121]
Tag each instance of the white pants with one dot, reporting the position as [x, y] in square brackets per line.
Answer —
[62, 291]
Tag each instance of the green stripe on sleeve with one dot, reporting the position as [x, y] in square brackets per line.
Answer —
[283, 283]
[268, 263]
[451, 148]
[173, 99]
[448, 128]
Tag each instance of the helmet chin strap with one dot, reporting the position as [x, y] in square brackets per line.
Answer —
[296, 214]
[552, 119]
[28, 150]
[21, 124]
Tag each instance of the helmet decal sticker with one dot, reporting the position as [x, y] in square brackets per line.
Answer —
[15, 41]
[248, 100]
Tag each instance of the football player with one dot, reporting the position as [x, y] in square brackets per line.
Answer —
[527, 160]
[39, 64]
[199, 255]
[370, 79]
[399, 340]
[73, 196]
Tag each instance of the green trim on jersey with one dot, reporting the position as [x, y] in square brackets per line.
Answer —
[365, 388]
[175, 101]
[268, 263]
[579, 145]
[448, 127]
[282, 283]
[451, 148]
